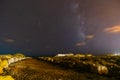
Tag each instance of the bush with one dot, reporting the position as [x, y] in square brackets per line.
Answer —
[18, 55]
[6, 78]
[4, 64]
[1, 70]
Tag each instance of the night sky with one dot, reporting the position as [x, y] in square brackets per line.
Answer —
[47, 27]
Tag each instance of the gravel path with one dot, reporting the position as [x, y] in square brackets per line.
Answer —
[33, 69]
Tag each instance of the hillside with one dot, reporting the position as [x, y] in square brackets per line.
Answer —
[34, 69]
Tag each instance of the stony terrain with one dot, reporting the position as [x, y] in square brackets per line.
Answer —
[34, 69]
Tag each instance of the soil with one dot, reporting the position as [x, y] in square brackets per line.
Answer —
[34, 69]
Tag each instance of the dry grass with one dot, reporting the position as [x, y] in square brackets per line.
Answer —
[33, 69]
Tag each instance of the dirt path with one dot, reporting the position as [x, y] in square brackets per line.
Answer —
[33, 69]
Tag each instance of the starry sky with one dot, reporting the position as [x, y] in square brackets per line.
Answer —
[47, 27]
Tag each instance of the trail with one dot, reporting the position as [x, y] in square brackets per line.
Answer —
[33, 69]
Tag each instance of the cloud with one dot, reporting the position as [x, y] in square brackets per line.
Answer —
[91, 36]
[79, 44]
[114, 29]
[9, 40]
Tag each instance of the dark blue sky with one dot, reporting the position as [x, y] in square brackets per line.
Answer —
[41, 27]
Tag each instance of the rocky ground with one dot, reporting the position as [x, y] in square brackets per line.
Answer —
[34, 69]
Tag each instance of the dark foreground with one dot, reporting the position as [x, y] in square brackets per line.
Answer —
[34, 69]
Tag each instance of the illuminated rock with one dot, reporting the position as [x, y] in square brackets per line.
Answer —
[10, 61]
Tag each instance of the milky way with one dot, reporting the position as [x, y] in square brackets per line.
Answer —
[45, 27]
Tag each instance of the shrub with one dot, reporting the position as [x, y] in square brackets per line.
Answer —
[102, 70]
[6, 78]
[1, 70]
[18, 55]
[4, 64]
